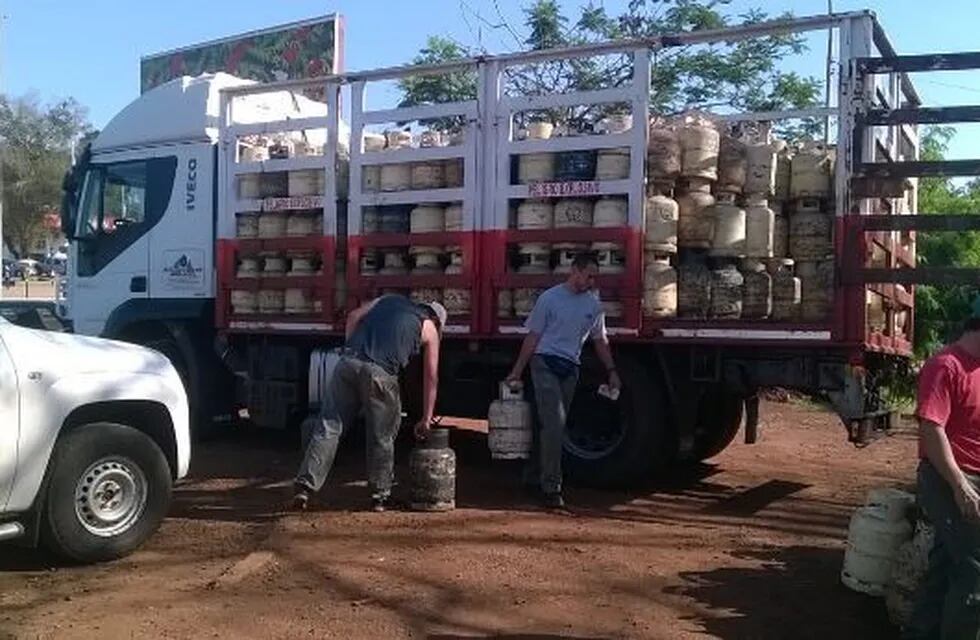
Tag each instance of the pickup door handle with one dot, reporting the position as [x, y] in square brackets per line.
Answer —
[137, 284]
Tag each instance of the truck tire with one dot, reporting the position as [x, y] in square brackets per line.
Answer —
[108, 489]
[614, 444]
[717, 426]
[202, 423]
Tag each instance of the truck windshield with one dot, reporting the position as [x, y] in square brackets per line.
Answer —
[114, 196]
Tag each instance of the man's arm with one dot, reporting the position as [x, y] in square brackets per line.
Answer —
[430, 376]
[936, 447]
[355, 316]
[527, 350]
[605, 357]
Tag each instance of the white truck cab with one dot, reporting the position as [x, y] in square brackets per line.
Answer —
[93, 434]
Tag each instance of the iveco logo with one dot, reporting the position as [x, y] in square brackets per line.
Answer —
[191, 184]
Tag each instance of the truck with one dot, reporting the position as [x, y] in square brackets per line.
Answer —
[231, 224]
[95, 433]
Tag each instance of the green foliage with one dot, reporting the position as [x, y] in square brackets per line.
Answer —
[940, 311]
[36, 150]
[740, 76]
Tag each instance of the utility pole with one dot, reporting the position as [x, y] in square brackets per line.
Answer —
[828, 74]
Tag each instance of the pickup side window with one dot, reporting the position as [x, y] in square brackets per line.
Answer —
[120, 202]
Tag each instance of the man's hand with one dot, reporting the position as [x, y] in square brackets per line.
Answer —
[968, 500]
[614, 381]
[513, 380]
[422, 428]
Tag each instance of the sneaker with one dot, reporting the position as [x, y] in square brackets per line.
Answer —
[379, 505]
[552, 501]
[301, 500]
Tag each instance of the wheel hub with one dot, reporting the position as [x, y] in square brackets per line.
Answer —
[110, 496]
[596, 426]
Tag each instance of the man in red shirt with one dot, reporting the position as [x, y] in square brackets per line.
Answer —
[948, 409]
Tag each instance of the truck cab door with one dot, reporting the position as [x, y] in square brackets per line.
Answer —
[9, 421]
[122, 199]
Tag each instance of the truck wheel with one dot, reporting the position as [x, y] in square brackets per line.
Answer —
[614, 444]
[717, 426]
[202, 423]
[109, 487]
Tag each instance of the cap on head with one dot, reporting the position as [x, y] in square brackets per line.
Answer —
[438, 311]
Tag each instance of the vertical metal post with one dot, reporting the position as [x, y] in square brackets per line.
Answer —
[332, 159]
[355, 194]
[638, 149]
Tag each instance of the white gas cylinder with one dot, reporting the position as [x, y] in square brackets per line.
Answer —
[610, 211]
[873, 540]
[535, 214]
[243, 302]
[427, 218]
[247, 225]
[510, 434]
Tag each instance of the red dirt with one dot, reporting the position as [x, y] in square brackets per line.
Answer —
[747, 546]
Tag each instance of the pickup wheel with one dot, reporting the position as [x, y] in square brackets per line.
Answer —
[109, 488]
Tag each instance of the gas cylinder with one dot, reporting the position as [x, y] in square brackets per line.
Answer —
[273, 184]
[534, 258]
[757, 292]
[394, 262]
[370, 220]
[432, 469]
[612, 309]
[249, 186]
[760, 178]
[659, 286]
[540, 130]
[426, 259]
[272, 224]
[660, 222]
[726, 291]
[612, 164]
[610, 256]
[271, 301]
[509, 435]
[616, 123]
[456, 301]
[427, 218]
[505, 303]
[247, 225]
[396, 177]
[454, 217]
[728, 235]
[816, 289]
[535, 214]
[398, 139]
[784, 170]
[301, 263]
[663, 152]
[524, 300]
[243, 302]
[298, 301]
[308, 182]
[759, 227]
[812, 168]
[610, 211]
[573, 212]
[566, 254]
[394, 219]
[431, 138]
[274, 266]
[373, 141]
[873, 541]
[300, 223]
[780, 235]
[575, 165]
[699, 141]
[732, 165]
[693, 289]
[452, 170]
[786, 291]
[535, 167]
[425, 294]
[694, 223]
[247, 268]
[810, 235]
[428, 175]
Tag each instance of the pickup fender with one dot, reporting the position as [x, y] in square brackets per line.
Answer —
[41, 428]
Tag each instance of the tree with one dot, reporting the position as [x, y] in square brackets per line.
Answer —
[742, 76]
[36, 150]
[940, 311]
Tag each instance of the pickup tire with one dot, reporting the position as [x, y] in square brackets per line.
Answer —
[109, 487]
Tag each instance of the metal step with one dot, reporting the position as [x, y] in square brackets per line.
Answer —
[919, 222]
[924, 62]
[919, 169]
[919, 115]
[918, 275]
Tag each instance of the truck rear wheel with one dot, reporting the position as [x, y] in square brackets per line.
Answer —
[202, 422]
[613, 444]
[109, 488]
[717, 425]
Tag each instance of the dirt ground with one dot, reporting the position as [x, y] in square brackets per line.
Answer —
[749, 546]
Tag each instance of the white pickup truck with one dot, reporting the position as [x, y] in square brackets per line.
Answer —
[93, 434]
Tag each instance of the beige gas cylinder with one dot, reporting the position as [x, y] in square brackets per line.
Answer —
[732, 165]
[659, 286]
[247, 225]
[371, 178]
[396, 177]
[257, 152]
[456, 301]
[454, 217]
[455, 254]
[727, 287]
[700, 141]
[535, 214]
[610, 211]
[243, 302]
[760, 177]
[663, 152]
[780, 235]
[426, 259]
[510, 425]
[393, 261]
[247, 268]
[453, 172]
[427, 218]
[302, 263]
[300, 224]
[431, 138]
[281, 147]
[908, 570]
[272, 224]
[535, 167]
[812, 168]
[370, 220]
[540, 130]
[370, 262]
[875, 534]
[425, 294]
[612, 309]
[760, 230]
[694, 223]
[660, 222]
[786, 290]
[784, 170]
[613, 164]
[810, 235]
[308, 182]
[250, 186]
[875, 312]
[524, 300]
[816, 289]
[298, 301]
[616, 123]
[274, 266]
[757, 291]
[274, 184]
[728, 235]
[396, 139]
[505, 303]
[566, 253]
[373, 142]
[610, 256]
[693, 289]
[573, 212]
[534, 258]
[271, 301]
[428, 175]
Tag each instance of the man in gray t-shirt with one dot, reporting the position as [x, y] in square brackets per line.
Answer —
[562, 319]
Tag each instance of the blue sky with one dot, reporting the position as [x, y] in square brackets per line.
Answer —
[91, 50]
